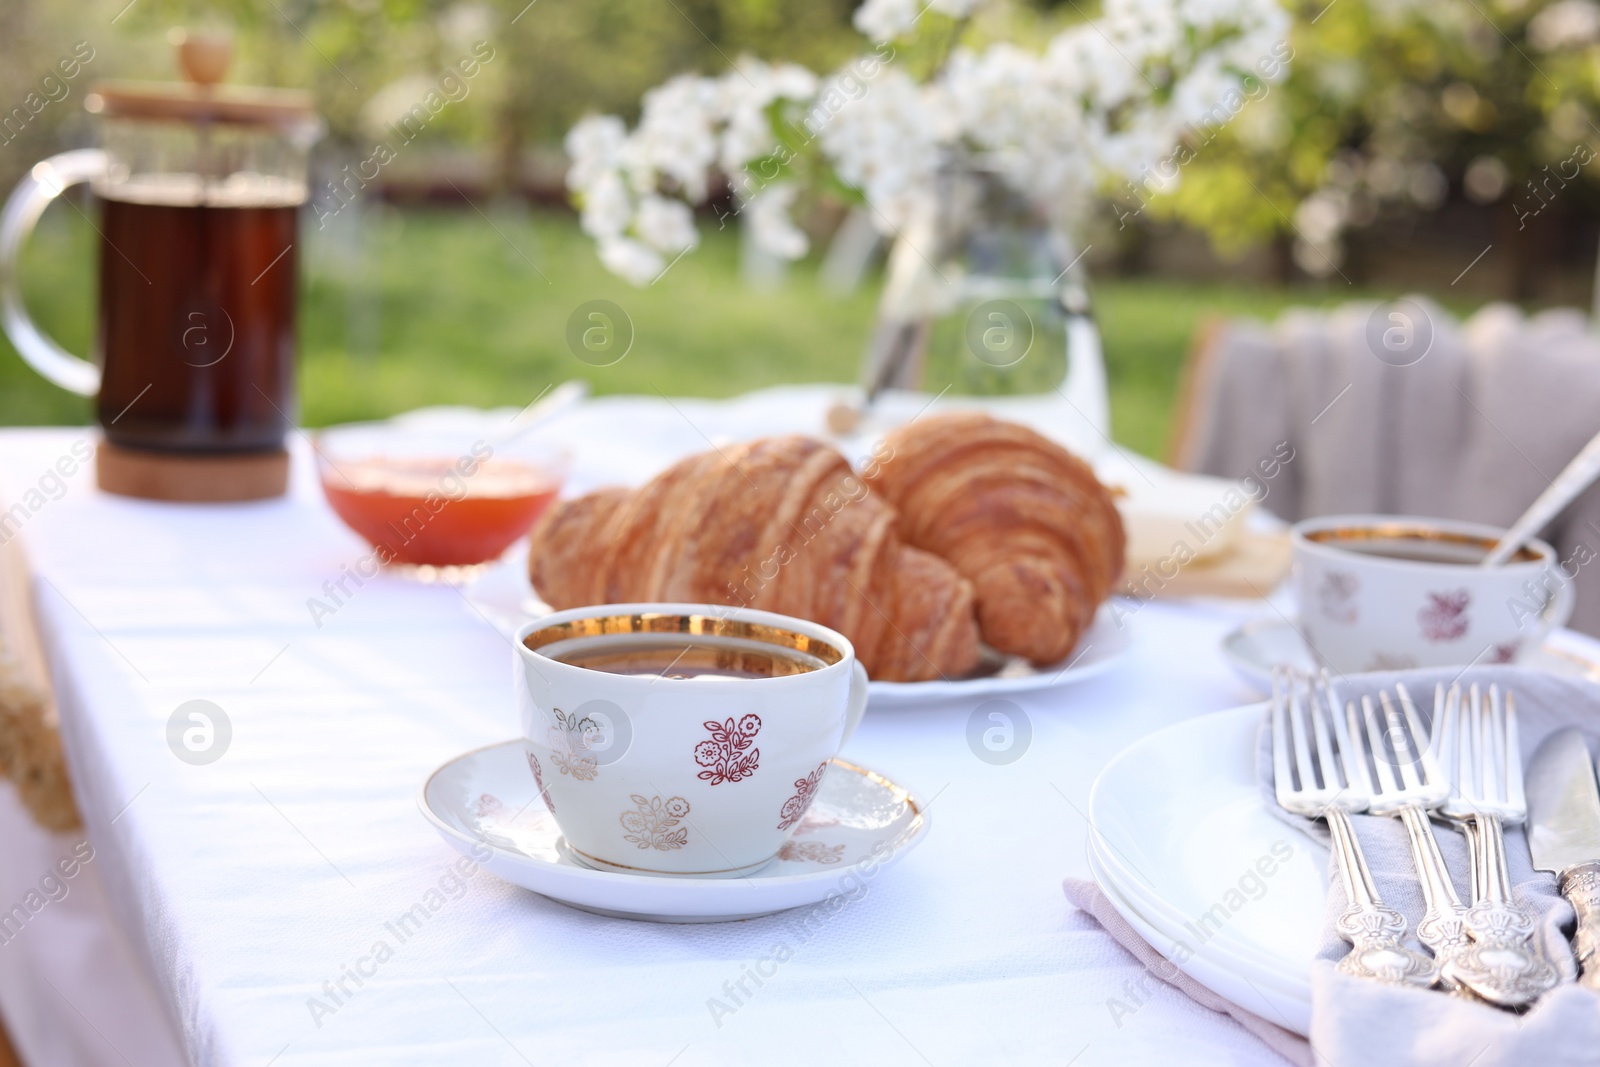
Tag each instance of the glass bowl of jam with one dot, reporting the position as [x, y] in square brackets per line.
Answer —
[438, 500]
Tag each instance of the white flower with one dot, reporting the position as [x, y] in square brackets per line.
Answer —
[630, 259]
[885, 144]
[884, 20]
[743, 96]
[791, 81]
[607, 209]
[1107, 99]
[595, 146]
[665, 225]
[675, 138]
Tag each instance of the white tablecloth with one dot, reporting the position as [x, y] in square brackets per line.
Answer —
[247, 887]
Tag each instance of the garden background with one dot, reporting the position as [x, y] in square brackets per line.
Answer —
[1408, 139]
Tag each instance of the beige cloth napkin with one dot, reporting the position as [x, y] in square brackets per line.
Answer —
[1475, 429]
[1360, 1023]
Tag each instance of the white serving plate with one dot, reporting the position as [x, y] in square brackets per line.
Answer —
[1102, 646]
[1182, 814]
[486, 800]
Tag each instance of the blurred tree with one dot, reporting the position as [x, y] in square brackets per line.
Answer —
[1390, 108]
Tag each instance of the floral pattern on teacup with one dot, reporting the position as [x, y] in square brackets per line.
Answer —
[1336, 596]
[652, 825]
[795, 808]
[1444, 616]
[538, 780]
[728, 756]
[1504, 653]
[569, 738]
[814, 851]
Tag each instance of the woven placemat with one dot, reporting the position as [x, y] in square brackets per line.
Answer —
[30, 748]
[30, 741]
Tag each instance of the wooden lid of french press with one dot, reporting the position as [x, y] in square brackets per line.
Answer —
[204, 58]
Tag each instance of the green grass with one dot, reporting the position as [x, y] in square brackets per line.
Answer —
[452, 307]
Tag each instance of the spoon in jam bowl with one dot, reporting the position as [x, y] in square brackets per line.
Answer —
[546, 406]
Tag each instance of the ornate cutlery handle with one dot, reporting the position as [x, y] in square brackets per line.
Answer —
[1502, 965]
[1443, 927]
[1376, 932]
[1581, 885]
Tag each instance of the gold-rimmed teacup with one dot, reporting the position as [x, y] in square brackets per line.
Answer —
[1382, 592]
[682, 739]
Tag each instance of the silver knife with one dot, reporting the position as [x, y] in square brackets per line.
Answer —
[1564, 835]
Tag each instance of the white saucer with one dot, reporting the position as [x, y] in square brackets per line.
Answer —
[1256, 647]
[487, 798]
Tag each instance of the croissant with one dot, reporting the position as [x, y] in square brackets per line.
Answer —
[1017, 515]
[780, 524]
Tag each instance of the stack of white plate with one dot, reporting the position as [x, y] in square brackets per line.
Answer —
[1182, 844]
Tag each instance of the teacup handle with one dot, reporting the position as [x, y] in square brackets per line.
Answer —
[1556, 613]
[858, 701]
[33, 194]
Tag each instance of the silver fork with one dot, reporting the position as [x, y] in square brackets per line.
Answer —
[1375, 931]
[1482, 755]
[1408, 791]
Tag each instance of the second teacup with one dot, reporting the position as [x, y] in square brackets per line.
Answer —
[1381, 592]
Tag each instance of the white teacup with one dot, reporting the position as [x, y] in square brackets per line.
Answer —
[705, 765]
[1379, 592]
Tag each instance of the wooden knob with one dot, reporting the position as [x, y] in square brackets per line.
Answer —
[843, 419]
[203, 56]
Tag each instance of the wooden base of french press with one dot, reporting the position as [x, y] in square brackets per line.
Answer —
[214, 479]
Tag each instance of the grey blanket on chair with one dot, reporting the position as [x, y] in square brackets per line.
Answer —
[1474, 429]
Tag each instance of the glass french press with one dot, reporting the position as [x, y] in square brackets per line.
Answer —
[199, 188]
